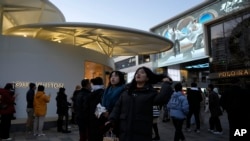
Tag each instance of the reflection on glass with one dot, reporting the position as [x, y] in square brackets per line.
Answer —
[230, 25]
[217, 31]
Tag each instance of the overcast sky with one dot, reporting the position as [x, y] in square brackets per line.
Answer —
[139, 14]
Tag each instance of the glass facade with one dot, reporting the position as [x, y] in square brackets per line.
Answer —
[229, 47]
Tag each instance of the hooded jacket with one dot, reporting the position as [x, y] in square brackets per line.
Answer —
[40, 103]
[181, 108]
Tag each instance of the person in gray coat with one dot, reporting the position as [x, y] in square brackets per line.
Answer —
[133, 109]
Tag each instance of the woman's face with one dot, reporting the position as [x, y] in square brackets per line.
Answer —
[141, 76]
[114, 79]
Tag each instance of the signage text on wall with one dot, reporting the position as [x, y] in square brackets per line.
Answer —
[233, 73]
[24, 84]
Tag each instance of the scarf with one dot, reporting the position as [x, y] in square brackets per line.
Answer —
[111, 95]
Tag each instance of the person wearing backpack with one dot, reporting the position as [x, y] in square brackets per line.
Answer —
[179, 108]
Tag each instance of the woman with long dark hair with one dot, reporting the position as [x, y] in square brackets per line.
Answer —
[133, 110]
[111, 94]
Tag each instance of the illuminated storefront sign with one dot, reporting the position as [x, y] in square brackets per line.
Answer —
[23, 84]
[230, 5]
[234, 73]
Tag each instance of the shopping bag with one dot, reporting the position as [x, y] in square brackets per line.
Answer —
[110, 136]
[99, 110]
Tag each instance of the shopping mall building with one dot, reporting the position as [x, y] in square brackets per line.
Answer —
[211, 45]
[38, 45]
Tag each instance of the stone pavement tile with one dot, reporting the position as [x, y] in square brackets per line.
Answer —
[51, 135]
[166, 130]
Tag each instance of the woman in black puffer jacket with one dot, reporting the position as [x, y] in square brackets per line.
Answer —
[134, 108]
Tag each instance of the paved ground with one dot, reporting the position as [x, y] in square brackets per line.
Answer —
[166, 133]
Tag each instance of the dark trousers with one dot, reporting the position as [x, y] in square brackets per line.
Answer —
[83, 128]
[214, 123]
[165, 114]
[73, 118]
[196, 113]
[156, 131]
[178, 129]
[5, 126]
[60, 122]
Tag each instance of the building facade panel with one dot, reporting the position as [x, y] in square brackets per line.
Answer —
[51, 64]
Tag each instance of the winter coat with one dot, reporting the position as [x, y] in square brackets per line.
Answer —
[82, 109]
[40, 103]
[94, 130]
[179, 109]
[7, 102]
[62, 104]
[73, 98]
[30, 98]
[134, 112]
[194, 97]
[214, 104]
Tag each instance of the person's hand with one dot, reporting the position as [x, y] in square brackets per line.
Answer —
[106, 123]
[105, 114]
[108, 126]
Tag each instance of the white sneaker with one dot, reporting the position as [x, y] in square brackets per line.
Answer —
[218, 133]
[42, 134]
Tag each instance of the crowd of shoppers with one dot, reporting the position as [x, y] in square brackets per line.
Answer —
[130, 110]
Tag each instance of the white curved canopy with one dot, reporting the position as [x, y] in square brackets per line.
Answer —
[110, 40]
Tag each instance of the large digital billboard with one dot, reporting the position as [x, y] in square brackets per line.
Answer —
[186, 32]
